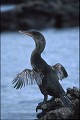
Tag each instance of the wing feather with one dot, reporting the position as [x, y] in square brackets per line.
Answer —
[60, 71]
[27, 77]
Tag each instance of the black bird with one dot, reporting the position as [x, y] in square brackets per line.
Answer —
[47, 77]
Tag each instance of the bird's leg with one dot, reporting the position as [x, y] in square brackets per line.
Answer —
[44, 101]
[41, 103]
[45, 98]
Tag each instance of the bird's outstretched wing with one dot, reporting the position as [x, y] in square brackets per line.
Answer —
[31, 77]
[60, 71]
[27, 77]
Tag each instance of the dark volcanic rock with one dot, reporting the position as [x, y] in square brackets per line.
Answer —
[39, 14]
[55, 109]
[61, 113]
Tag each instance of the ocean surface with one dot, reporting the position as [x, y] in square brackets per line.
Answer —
[62, 46]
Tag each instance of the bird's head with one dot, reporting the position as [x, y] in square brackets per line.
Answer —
[38, 38]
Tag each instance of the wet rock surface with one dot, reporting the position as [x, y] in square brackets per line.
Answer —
[55, 109]
[40, 14]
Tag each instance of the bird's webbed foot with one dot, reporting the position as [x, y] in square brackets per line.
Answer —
[41, 103]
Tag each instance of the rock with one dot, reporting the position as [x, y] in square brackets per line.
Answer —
[54, 108]
[51, 105]
[73, 92]
[61, 113]
[40, 14]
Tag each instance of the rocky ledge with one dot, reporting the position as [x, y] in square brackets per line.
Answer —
[55, 109]
[39, 14]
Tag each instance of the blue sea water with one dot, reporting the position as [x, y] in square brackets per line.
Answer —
[62, 46]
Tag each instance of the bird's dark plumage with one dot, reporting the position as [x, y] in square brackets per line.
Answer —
[47, 77]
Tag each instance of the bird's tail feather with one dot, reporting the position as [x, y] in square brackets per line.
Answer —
[67, 102]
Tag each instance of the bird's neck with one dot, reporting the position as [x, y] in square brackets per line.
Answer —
[39, 48]
[36, 55]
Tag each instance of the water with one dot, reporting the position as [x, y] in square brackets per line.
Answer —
[62, 46]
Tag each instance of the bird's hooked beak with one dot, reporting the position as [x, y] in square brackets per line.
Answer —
[27, 33]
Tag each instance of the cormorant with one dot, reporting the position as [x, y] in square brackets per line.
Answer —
[46, 77]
